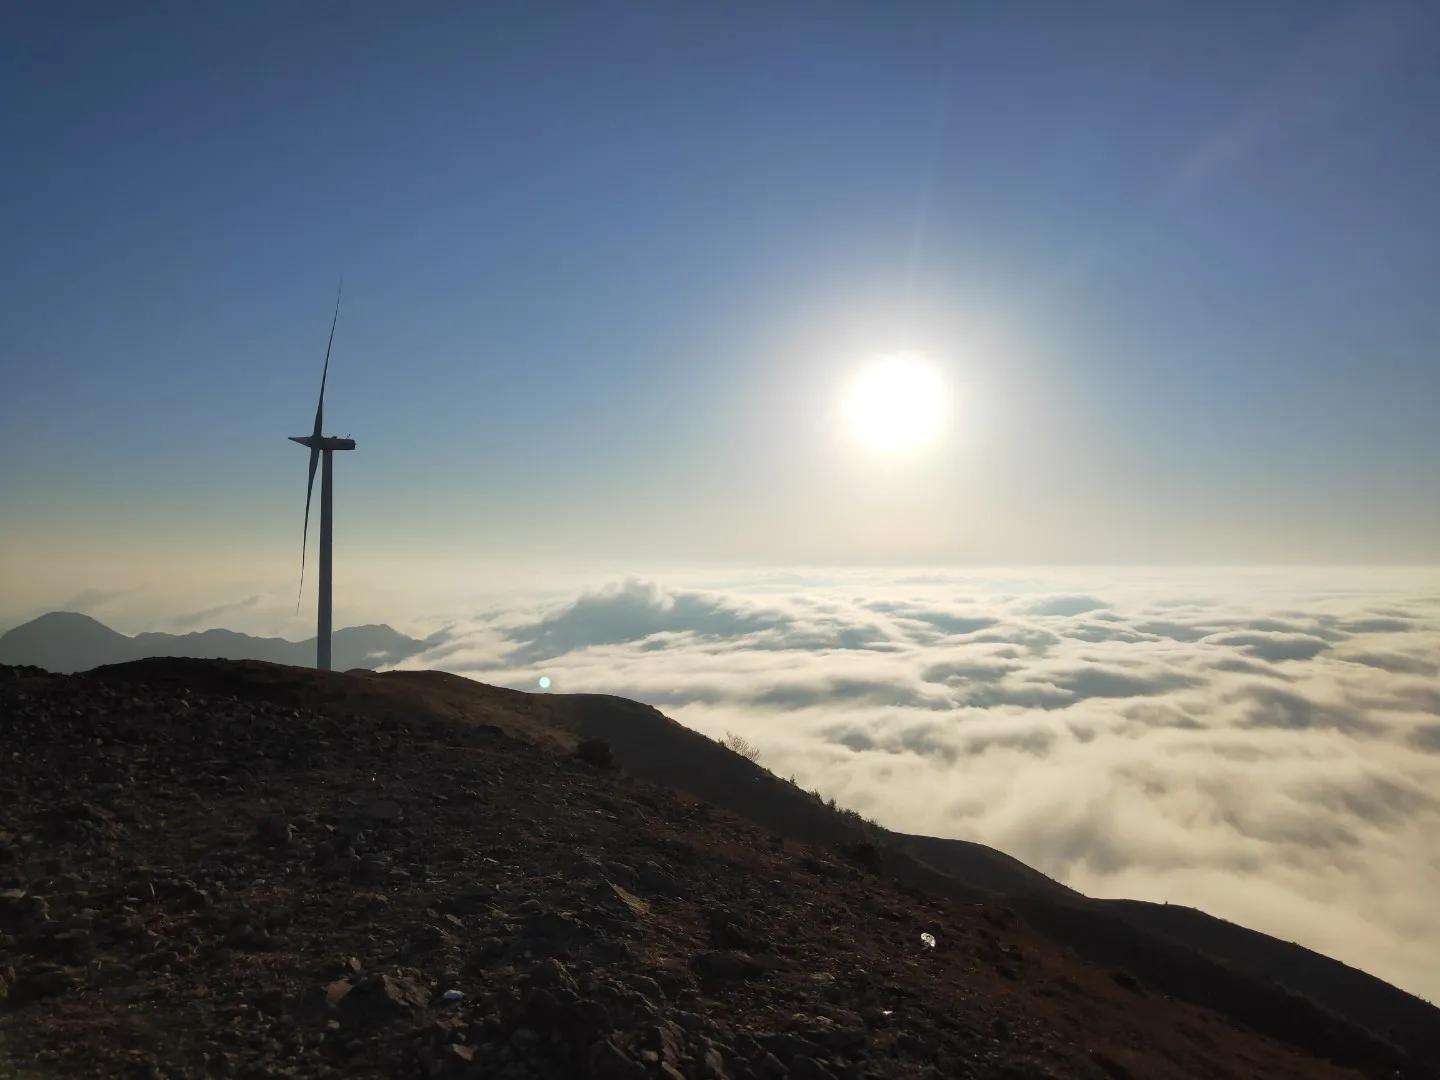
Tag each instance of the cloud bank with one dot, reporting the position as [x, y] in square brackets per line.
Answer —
[1263, 745]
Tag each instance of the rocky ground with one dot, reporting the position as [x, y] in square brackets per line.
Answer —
[198, 884]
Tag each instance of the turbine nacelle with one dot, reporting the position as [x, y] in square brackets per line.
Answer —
[323, 442]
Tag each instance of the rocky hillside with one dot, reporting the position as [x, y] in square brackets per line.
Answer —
[212, 868]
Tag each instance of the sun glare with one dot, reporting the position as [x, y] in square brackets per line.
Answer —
[896, 403]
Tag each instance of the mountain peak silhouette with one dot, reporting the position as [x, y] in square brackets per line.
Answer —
[68, 641]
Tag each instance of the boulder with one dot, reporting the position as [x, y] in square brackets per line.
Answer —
[381, 999]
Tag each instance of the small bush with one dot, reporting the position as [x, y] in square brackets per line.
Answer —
[738, 744]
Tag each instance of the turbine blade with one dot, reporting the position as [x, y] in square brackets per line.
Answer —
[305, 533]
[320, 408]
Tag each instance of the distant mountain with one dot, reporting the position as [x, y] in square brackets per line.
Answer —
[65, 642]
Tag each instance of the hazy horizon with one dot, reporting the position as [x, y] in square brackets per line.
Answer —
[415, 597]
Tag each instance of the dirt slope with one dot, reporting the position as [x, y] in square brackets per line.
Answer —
[1253, 978]
[224, 869]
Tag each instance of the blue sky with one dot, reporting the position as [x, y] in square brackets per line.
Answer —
[607, 267]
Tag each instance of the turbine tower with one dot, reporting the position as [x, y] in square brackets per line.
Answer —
[319, 445]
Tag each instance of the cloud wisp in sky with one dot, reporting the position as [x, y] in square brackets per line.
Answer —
[1272, 760]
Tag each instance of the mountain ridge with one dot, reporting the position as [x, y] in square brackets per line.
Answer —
[67, 641]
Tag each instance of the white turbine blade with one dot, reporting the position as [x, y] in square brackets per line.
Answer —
[320, 408]
[305, 532]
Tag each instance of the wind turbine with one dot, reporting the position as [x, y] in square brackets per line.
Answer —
[321, 445]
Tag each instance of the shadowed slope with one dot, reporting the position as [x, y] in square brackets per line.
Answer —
[1405, 1019]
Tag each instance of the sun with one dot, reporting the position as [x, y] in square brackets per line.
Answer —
[896, 404]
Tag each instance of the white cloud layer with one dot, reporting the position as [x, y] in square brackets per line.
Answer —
[1264, 745]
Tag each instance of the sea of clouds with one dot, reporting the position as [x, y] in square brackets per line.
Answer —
[1264, 744]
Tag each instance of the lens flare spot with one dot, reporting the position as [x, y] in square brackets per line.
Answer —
[544, 682]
